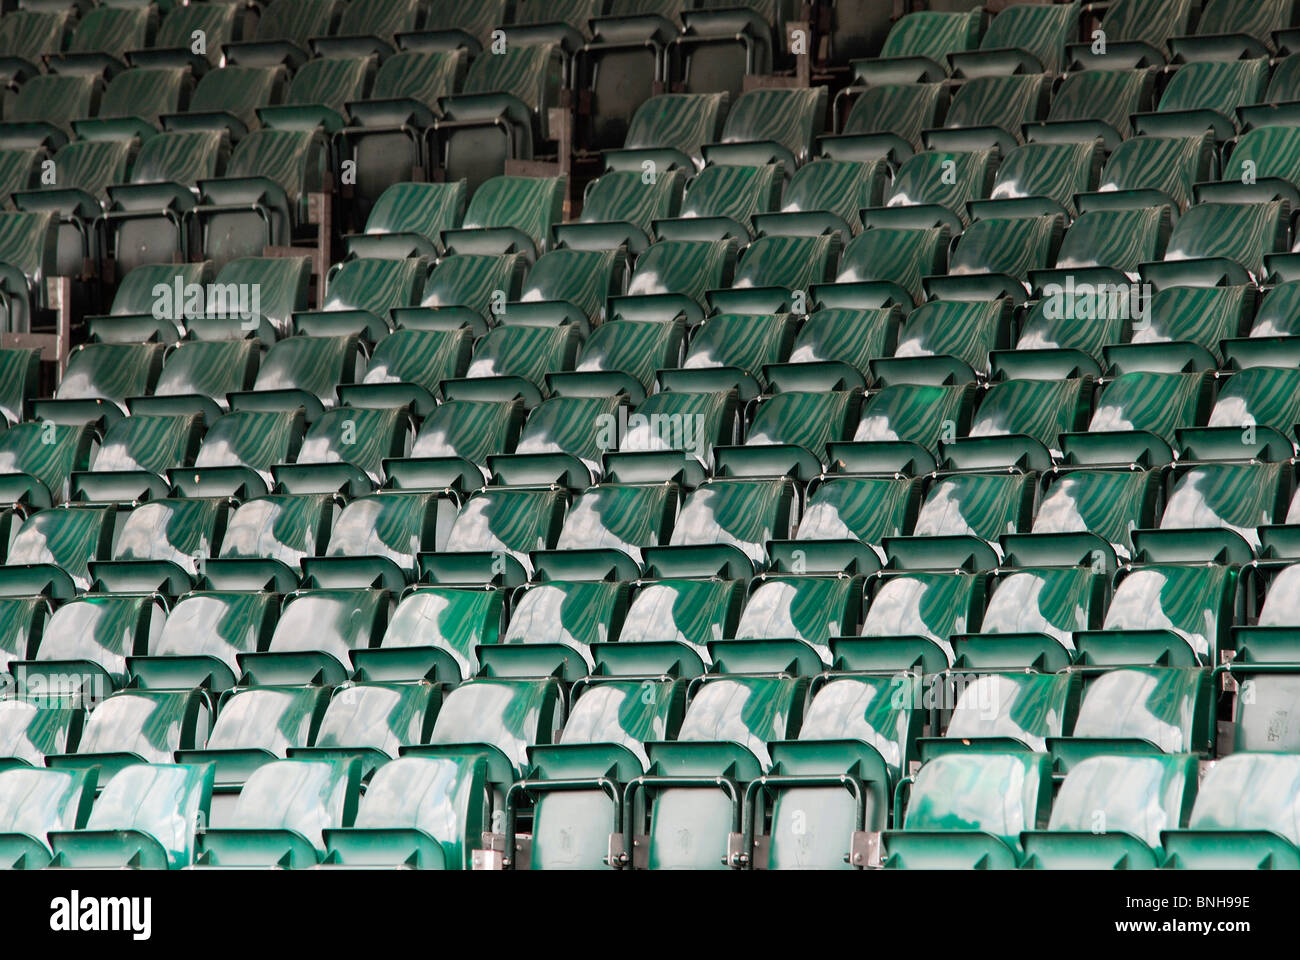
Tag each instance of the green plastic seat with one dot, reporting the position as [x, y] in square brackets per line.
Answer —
[995, 257]
[918, 46]
[622, 356]
[302, 372]
[407, 219]
[280, 815]
[32, 804]
[1136, 32]
[1149, 170]
[742, 514]
[1038, 178]
[1021, 39]
[1110, 504]
[1226, 31]
[1265, 688]
[1206, 94]
[789, 434]
[671, 279]
[722, 44]
[42, 112]
[671, 432]
[467, 290]
[134, 454]
[1278, 105]
[238, 452]
[620, 207]
[38, 459]
[454, 443]
[27, 35]
[346, 448]
[834, 349]
[434, 633]
[569, 286]
[882, 266]
[1110, 813]
[610, 523]
[1019, 422]
[157, 540]
[1243, 817]
[198, 376]
[263, 198]
[946, 341]
[28, 255]
[670, 130]
[991, 111]
[1142, 712]
[721, 201]
[499, 114]
[20, 170]
[371, 722]
[777, 273]
[409, 366]
[969, 809]
[146, 817]
[931, 189]
[1063, 334]
[771, 126]
[512, 361]
[270, 536]
[671, 622]
[137, 726]
[1101, 251]
[261, 294]
[381, 535]
[866, 509]
[886, 121]
[1235, 497]
[313, 637]
[369, 29]
[88, 639]
[228, 99]
[133, 102]
[494, 533]
[1136, 417]
[201, 638]
[826, 194]
[552, 627]
[730, 350]
[933, 606]
[318, 95]
[1095, 104]
[1032, 616]
[1229, 240]
[131, 317]
[421, 812]
[60, 544]
[98, 380]
[806, 610]
[37, 726]
[982, 505]
[1005, 711]
[174, 43]
[558, 443]
[282, 34]
[509, 215]
[359, 296]
[255, 726]
[902, 425]
[101, 39]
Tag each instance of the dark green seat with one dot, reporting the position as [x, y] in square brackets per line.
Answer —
[135, 453]
[36, 727]
[454, 443]
[1032, 616]
[26, 36]
[512, 361]
[771, 126]
[785, 614]
[827, 194]
[1136, 417]
[197, 376]
[228, 99]
[38, 459]
[933, 606]
[41, 113]
[789, 434]
[19, 369]
[569, 286]
[32, 804]
[147, 817]
[467, 290]
[622, 356]
[137, 314]
[255, 726]
[1222, 243]
[369, 29]
[238, 452]
[359, 296]
[995, 258]
[553, 626]
[408, 219]
[201, 639]
[559, 445]
[494, 533]
[370, 722]
[88, 640]
[434, 633]
[1038, 178]
[283, 34]
[137, 726]
[1018, 424]
[671, 432]
[931, 189]
[866, 509]
[134, 101]
[101, 39]
[1206, 94]
[918, 46]
[1235, 497]
[318, 95]
[1102, 249]
[313, 637]
[610, 523]
[946, 341]
[302, 372]
[344, 450]
[1107, 503]
[741, 514]
[267, 538]
[834, 349]
[510, 215]
[968, 810]
[1095, 104]
[670, 130]
[672, 277]
[730, 350]
[721, 202]
[671, 622]
[991, 111]
[1147, 171]
[176, 44]
[267, 291]
[1228, 31]
[1136, 33]
[882, 267]
[1028, 38]
[902, 425]
[1005, 711]
[620, 207]
[885, 122]
[777, 274]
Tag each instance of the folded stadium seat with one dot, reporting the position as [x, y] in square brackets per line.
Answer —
[845, 514]
[255, 726]
[1095, 104]
[827, 195]
[968, 810]
[369, 29]
[344, 449]
[552, 627]
[193, 36]
[1263, 400]
[771, 126]
[466, 291]
[885, 121]
[932, 189]
[198, 643]
[1228, 31]
[670, 131]
[788, 622]
[1267, 159]
[454, 443]
[1165, 612]
[280, 815]
[283, 34]
[138, 312]
[494, 534]
[228, 99]
[789, 434]
[1100, 256]
[132, 727]
[147, 221]
[561, 443]
[692, 795]
[834, 349]
[562, 22]
[779, 274]
[418, 812]
[43, 722]
[623, 65]
[385, 134]
[28, 36]
[622, 357]
[1089, 512]
[1266, 682]
[924, 607]
[1205, 95]
[620, 208]
[370, 722]
[266, 540]
[991, 111]
[408, 367]
[1222, 243]
[1018, 422]
[723, 42]
[161, 546]
[19, 371]
[35, 802]
[1134, 34]
[1149, 171]
[37, 461]
[449, 27]
[42, 112]
[408, 219]
[720, 202]
[1243, 818]
[609, 525]
[1208, 503]
[146, 817]
[606, 731]
[1135, 418]
[500, 114]
[134, 454]
[133, 102]
[512, 361]
[672, 435]
[946, 341]
[83, 650]
[78, 197]
[1278, 105]
[19, 170]
[302, 372]
[101, 39]
[359, 295]
[1022, 39]
[671, 279]
[1183, 326]
[1110, 814]
[901, 427]
[1031, 618]
[198, 375]
[509, 215]
[569, 286]
[918, 46]
[1003, 711]
[318, 94]
[882, 267]
[252, 296]
[1271, 340]
[961, 516]
[729, 351]
[995, 258]
[731, 520]
[1042, 178]
[98, 380]
[265, 198]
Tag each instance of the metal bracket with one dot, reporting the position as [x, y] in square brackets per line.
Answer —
[864, 849]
